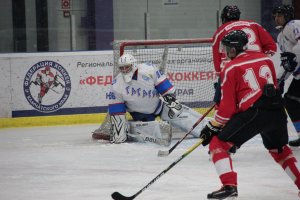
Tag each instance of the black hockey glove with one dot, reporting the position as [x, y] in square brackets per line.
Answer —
[233, 149]
[217, 96]
[169, 98]
[288, 61]
[208, 132]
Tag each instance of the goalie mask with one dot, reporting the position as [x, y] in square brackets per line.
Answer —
[127, 66]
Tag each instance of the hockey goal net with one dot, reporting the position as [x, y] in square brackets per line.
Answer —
[186, 62]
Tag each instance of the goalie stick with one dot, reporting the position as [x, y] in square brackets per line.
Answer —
[164, 60]
[118, 196]
[162, 153]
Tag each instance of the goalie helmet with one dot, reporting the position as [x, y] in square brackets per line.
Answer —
[236, 39]
[230, 13]
[286, 10]
[127, 66]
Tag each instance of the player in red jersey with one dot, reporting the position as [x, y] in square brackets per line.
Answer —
[259, 39]
[251, 104]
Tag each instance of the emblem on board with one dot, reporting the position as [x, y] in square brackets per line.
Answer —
[47, 86]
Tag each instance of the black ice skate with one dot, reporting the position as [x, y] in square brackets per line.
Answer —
[226, 192]
[295, 143]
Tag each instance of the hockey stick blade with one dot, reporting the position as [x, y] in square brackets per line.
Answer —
[162, 153]
[118, 196]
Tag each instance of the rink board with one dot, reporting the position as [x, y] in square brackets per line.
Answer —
[60, 120]
[87, 74]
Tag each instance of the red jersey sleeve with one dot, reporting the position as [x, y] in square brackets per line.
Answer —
[268, 44]
[228, 103]
[217, 55]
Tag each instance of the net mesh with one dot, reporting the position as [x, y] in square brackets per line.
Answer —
[187, 63]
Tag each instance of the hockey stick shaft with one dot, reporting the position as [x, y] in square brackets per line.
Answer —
[164, 60]
[118, 196]
[282, 77]
[163, 153]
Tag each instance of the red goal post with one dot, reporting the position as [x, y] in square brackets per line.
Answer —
[186, 62]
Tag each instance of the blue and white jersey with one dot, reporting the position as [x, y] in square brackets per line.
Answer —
[142, 93]
[289, 36]
[289, 41]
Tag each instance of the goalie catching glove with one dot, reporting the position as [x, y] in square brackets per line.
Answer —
[175, 107]
[288, 61]
[211, 129]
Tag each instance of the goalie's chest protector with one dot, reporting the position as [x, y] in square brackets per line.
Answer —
[140, 94]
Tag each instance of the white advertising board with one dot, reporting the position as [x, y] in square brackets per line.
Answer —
[5, 94]
[68, 83]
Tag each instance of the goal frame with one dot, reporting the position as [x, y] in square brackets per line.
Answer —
[119, 49]
[160, 42]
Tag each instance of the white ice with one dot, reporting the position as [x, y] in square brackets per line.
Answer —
[63, 163]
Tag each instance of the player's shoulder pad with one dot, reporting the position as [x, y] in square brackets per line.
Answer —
[257, 56]
[293, 24]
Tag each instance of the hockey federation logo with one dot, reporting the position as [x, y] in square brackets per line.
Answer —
[47, 86]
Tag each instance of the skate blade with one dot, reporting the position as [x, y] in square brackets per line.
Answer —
[232, 198]
[228, 198]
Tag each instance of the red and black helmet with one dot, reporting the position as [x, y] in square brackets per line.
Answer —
[237, 39]
[230, 13]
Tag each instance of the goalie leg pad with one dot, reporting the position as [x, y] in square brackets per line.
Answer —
[148, 132]
[119, 129]
[186, 120]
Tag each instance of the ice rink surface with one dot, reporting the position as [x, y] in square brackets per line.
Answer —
[64, 163]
